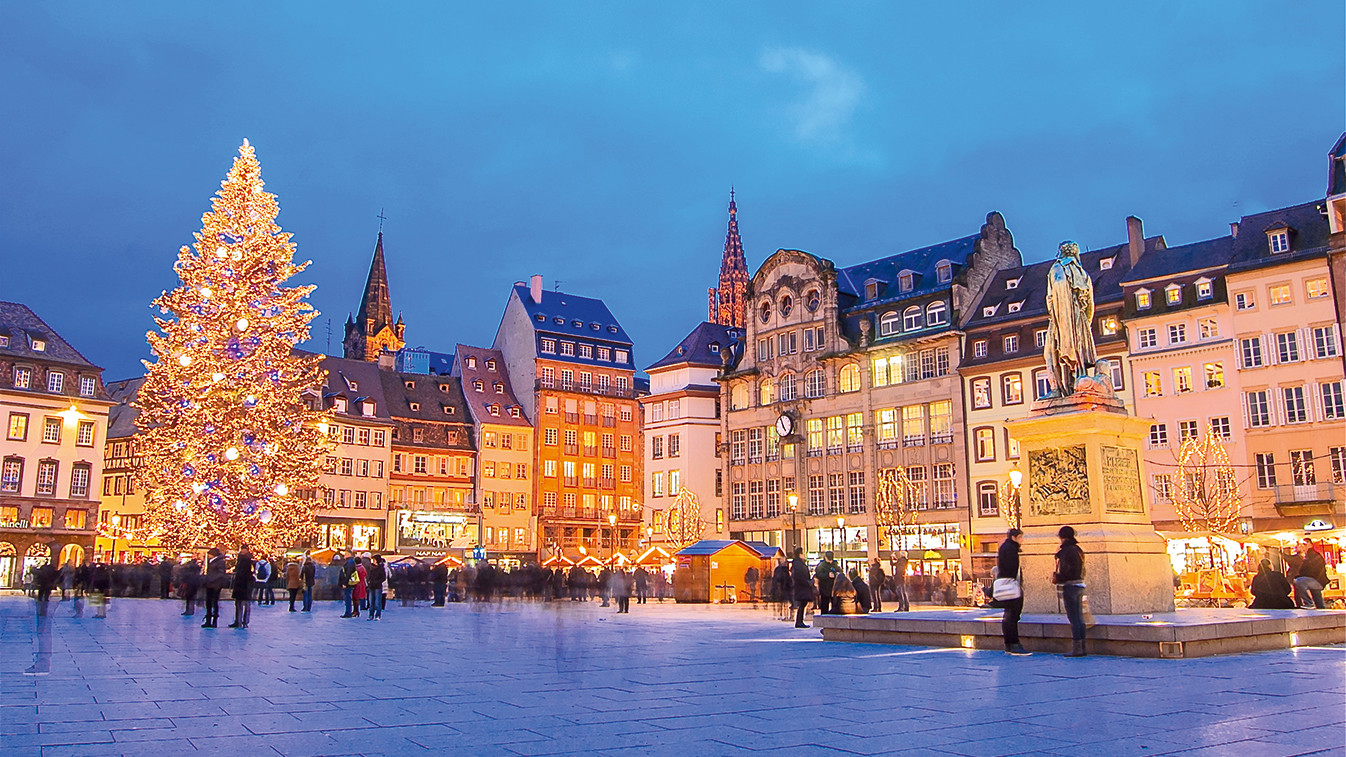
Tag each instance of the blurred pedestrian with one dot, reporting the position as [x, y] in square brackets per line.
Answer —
[308, 570]
[826, 573]
[877, 579]
[165, 570]
[439, 576]
[262, 578]
[752, 578]
[1311, 578]
[621, 590]
[1271, 590]
[242, 588]
[642, 581]
[801, 588]
[217, 576]
[1069, 576]
[294, 581]
[347, 578]
[780, 589]
[191, 583]
[100, 586]
[900, 582]
[864, 596]
[378, 574]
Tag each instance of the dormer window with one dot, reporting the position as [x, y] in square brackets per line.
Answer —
[339, 404]
[39, 345]
[448, 409]
[1279, 239]
[1013, 283]
[490, 364]
[471, 362]
[514, 412]
[906, 280]
[1173, 294]
[1204, 289]
[4, 340]
[444, 388]
[811, 302]
[577, 323]
[873, 288]
[540, 318]
[354, 386]
[1143, 299]
[989, 310]
[415, 406]
[1105, 264]
[409, 384]
[1015, 307]
[612, 329]
[944, 272]
[559, 321]
[478, 385]
[367, 409]
[595, 326]
[499, 387]
[494, 409]
[715, 348]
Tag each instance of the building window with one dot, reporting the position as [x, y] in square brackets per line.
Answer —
[815, 383]
[1153, 386]
[1173, 294]
[51, 430]
[905, 281]
[1109, 325]
[988, 499]
[1266, 470]
[836, 494]
[1159, 435]
[41, 517]
[568, 349]
[979, 348]
[937, 313]
[76, 519]
[1042, 384]
[55, 382]
[87, 386]
[1301, 467]
[738, 502]
[856, 492]
[755, 499]
[985, 443]
[1315, 288]
[84, 434]
[738, 396]
[913, 318]
[18, 427]
[11, 475]
[1163, 486]
[1015, 307]
[1332, 400]
[1258, 407]
[1244, 301]
[1209, 328]
[1011, 344]
[944, 272]
[1204, 290]
[1250, 350]
[1143, 299]
[1220, 427]
[1280, 295]
[1186, 430]
[1147, 338]
[1214, 375]
[23, 378]
[1040, 338]
[623, 357]
[1011, 389]
[1279, 241]
[913, 426]
[1287, 347]
[46, 477]
[1182, 379]
[1296, 408]
[1177, 333]
[1325, 342]
[981, 393]
[849, 378]
[1337, 458]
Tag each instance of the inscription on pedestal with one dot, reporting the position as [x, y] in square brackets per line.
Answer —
[1059, 481]
[1121, 480]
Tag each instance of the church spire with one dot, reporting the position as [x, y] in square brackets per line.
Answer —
[728, 302]
[373, 329]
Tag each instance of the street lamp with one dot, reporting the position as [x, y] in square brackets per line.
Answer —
[841, 533]
[1015, 506]
[794, 508]
[612, 521]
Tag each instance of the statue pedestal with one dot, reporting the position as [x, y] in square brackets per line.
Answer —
[1083, 470]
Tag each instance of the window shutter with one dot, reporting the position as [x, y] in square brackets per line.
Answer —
[1306, 344]
[1247, 419]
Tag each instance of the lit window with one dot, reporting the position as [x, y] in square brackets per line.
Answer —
[849, 378]
[23, 378]
[1173, 294]
[1143, 299]
[1315, 288]
[1209, 328]
[39, 345]
[1182, 379]
[1204, 290]
[1108, 325]
[1244, 301]
[1015, 307]
[1153, 385]
[1105, 264]
[1280, 295]
[1214, 375]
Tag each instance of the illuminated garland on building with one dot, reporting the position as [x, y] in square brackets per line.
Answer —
[232, 453]
[894, 504]
[682, 521]
[1205, 491]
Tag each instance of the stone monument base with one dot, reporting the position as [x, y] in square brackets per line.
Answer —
[1126, 569]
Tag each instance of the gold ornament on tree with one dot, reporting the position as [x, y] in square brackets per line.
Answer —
[682, 520]
[231, 449]
[1204, 490]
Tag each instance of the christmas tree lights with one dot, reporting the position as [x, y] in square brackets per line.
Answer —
[895, 502]
[232, 452]
[682, 521]
[1205, 491]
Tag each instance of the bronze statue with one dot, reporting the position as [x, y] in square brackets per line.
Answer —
[1069, 351]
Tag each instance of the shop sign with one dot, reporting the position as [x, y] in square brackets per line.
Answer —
[1318, 524]
[430, 530]
[13, 524]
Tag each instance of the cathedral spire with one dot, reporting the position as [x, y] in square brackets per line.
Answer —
[373, 329]
[727, 304]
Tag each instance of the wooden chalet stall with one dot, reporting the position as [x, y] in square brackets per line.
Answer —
[713, 570]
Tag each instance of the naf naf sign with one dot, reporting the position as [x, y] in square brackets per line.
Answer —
[1318, 524]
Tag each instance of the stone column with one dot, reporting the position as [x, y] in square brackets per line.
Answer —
[1083, 470]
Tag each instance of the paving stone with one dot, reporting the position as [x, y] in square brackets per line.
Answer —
[531, 679]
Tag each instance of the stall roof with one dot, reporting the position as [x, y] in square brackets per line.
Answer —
[655, 555]
[764, 549]
[708, 546]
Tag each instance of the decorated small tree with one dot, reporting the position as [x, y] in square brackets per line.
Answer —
[682, 520]
[895, 502]
[1205, 490]
[231, 449]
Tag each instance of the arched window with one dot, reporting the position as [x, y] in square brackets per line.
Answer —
[913, 318]
[787, 387]
[815, 383]
[738, 397]
[765, 312]
[766, 392]
[937, 313]
[812, 300]
[848, 380]
[888, 324]
[787, 304]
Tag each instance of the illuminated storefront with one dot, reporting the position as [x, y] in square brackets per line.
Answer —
[434, 534]
[346, 534]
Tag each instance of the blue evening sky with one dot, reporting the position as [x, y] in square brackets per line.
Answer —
[596, 143]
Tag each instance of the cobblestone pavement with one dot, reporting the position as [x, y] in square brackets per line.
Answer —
[567, 678]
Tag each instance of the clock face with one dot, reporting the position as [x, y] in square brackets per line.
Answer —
[784, 425]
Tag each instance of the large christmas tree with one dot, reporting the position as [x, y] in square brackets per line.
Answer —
[231, 450]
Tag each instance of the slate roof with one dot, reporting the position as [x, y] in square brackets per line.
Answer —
[1187, 258]
[441, 363]
[431, 394]
[478, 403]
[921, 262]
[571, 309]
[1308, 240]
[121, 419]
[22, 326]
[703, 347]
[355, 380]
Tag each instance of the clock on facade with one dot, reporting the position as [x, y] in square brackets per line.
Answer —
[785, 425]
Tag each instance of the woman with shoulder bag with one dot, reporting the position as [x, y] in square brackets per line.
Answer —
[1069, 576]
[1008, 591]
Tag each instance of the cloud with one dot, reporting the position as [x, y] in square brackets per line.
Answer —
[833, 94]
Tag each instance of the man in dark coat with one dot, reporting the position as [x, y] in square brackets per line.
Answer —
[217, 575]
[439, 575]
[1311, 578]
[1271, 591]
[642, 580]
[1007, 566]
[242, 588]
[1069, 576]
[900, 582]
[752, 578]
[801, 583]
[826, 573]
[864, 599]
[780, 590]
[191, 583]
[165, 577]
[308, 572]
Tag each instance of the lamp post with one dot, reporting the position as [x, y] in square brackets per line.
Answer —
[794, 508]
[840, 542]
[1016, 479]
[612, 521]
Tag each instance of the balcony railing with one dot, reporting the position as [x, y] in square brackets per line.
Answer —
[609, 452]
[946, 438]
[590, 420]
[572, 449]
[1309, 494]
[571, 480]
[572, 418]
[601, 391]
[607, 483]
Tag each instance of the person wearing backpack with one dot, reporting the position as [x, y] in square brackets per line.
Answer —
[262, 574]
[359, 587]
[347, 578]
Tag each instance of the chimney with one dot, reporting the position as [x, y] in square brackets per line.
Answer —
[1234, 229]
[386, 360]
[1135, 239]
[535, 288]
